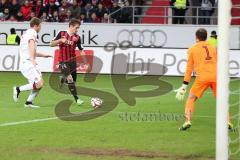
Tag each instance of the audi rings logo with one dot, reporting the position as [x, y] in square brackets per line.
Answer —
[142, 38]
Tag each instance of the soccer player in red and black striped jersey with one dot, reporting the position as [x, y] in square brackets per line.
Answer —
[67, 42]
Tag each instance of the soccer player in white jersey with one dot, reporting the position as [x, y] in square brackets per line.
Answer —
[28, 65]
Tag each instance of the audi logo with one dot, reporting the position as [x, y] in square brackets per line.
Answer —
[142, 38]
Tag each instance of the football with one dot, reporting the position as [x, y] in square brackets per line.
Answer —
[96, 102]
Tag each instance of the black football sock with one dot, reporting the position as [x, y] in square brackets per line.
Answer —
[28, 102]
[18, 91]
[76, 98]
[73, 90]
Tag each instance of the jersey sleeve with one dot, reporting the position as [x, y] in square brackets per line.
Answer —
[31, 35]
[190, 67]
[79, 44]
[58, 36]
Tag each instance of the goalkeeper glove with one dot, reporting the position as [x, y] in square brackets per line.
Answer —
[180, 92]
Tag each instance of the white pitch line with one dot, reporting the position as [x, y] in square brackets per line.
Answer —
[54, 118]
[42, 119]
[29, 121]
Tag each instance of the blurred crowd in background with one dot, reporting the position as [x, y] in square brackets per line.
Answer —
[88, 11]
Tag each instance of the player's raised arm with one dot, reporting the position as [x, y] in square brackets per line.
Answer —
[57, 40]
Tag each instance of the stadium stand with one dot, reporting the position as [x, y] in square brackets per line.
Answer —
[236, 12]
[99, 11]
[157, 11]
[63, 10]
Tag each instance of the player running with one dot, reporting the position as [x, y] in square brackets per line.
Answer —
[202, 58]
[28, 65]
[67, 42]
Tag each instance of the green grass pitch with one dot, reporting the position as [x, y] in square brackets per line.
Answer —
[27, 134]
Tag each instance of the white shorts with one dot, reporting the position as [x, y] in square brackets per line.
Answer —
[30, 72]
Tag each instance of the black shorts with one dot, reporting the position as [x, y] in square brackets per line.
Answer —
[69, 68]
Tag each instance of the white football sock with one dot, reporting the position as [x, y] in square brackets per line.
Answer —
[26, 87]
[32, 95]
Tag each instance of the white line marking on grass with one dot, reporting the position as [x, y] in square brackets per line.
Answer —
[29, 121]
[115, 112]
[42, 119]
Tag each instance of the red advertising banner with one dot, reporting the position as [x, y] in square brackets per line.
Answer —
[81, 66]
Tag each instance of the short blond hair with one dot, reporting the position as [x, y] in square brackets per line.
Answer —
[35, 21]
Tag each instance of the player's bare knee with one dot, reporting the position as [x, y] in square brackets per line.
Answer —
[69, 79]
[39, 84]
